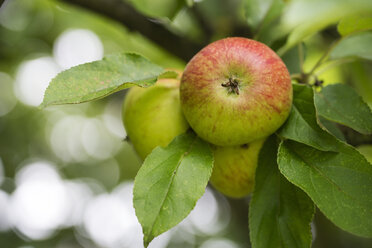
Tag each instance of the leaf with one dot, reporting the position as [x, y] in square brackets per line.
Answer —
[304, 18]
[355, 23]
[302, 125]
[292, 58]
[302, 32]
[331, 127]
[280, 213]
[169, 74]
[98, 79]
[366, 151]
[361, 75]
[159, 8]
[340, 103]
[260, 13]
[170, 182]
[358, 45]
[255, 11]
[189, 3]
[339, 183]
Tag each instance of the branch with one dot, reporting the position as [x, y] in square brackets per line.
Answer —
[124, 13]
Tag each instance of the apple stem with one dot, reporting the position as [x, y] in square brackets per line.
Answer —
[233, 85]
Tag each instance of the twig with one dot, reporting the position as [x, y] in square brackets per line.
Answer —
[301, 57]
[325, 55]
[332, 64]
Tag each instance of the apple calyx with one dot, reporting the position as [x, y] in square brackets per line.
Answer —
[245, 146]
[232, 85]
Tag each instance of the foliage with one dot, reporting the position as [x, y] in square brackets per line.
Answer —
[170, 182]
[307, 163]
[98, 79]
[278, 209]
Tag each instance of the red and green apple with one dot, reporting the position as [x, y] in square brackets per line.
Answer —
[235, 91]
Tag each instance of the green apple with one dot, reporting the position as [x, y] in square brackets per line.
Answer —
[235, 91]
[152, 116]
[234, 168]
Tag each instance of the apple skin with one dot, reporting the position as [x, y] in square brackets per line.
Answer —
[234, 168]
[216, 112]
[152, 116]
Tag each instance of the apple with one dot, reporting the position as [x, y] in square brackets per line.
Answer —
[235, 91]
[235, 167]
[152, 116]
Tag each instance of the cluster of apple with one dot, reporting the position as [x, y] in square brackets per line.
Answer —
[234, 93]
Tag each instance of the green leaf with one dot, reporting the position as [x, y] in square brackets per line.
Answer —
[159, 8]
[366, 151]
[280, 213]
[340, 103]
[331, 127]
[170, 182]
[339, 183]
[304, 18]
[304, 31]
[302, 125]
[361, 74]
[292, 58]
[189, 3]
[98, 79]
[260, 13]
[358, 45]
[355, 23]
[255, 11]
[169, 74]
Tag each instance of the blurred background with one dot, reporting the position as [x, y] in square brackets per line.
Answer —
[66, 173]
